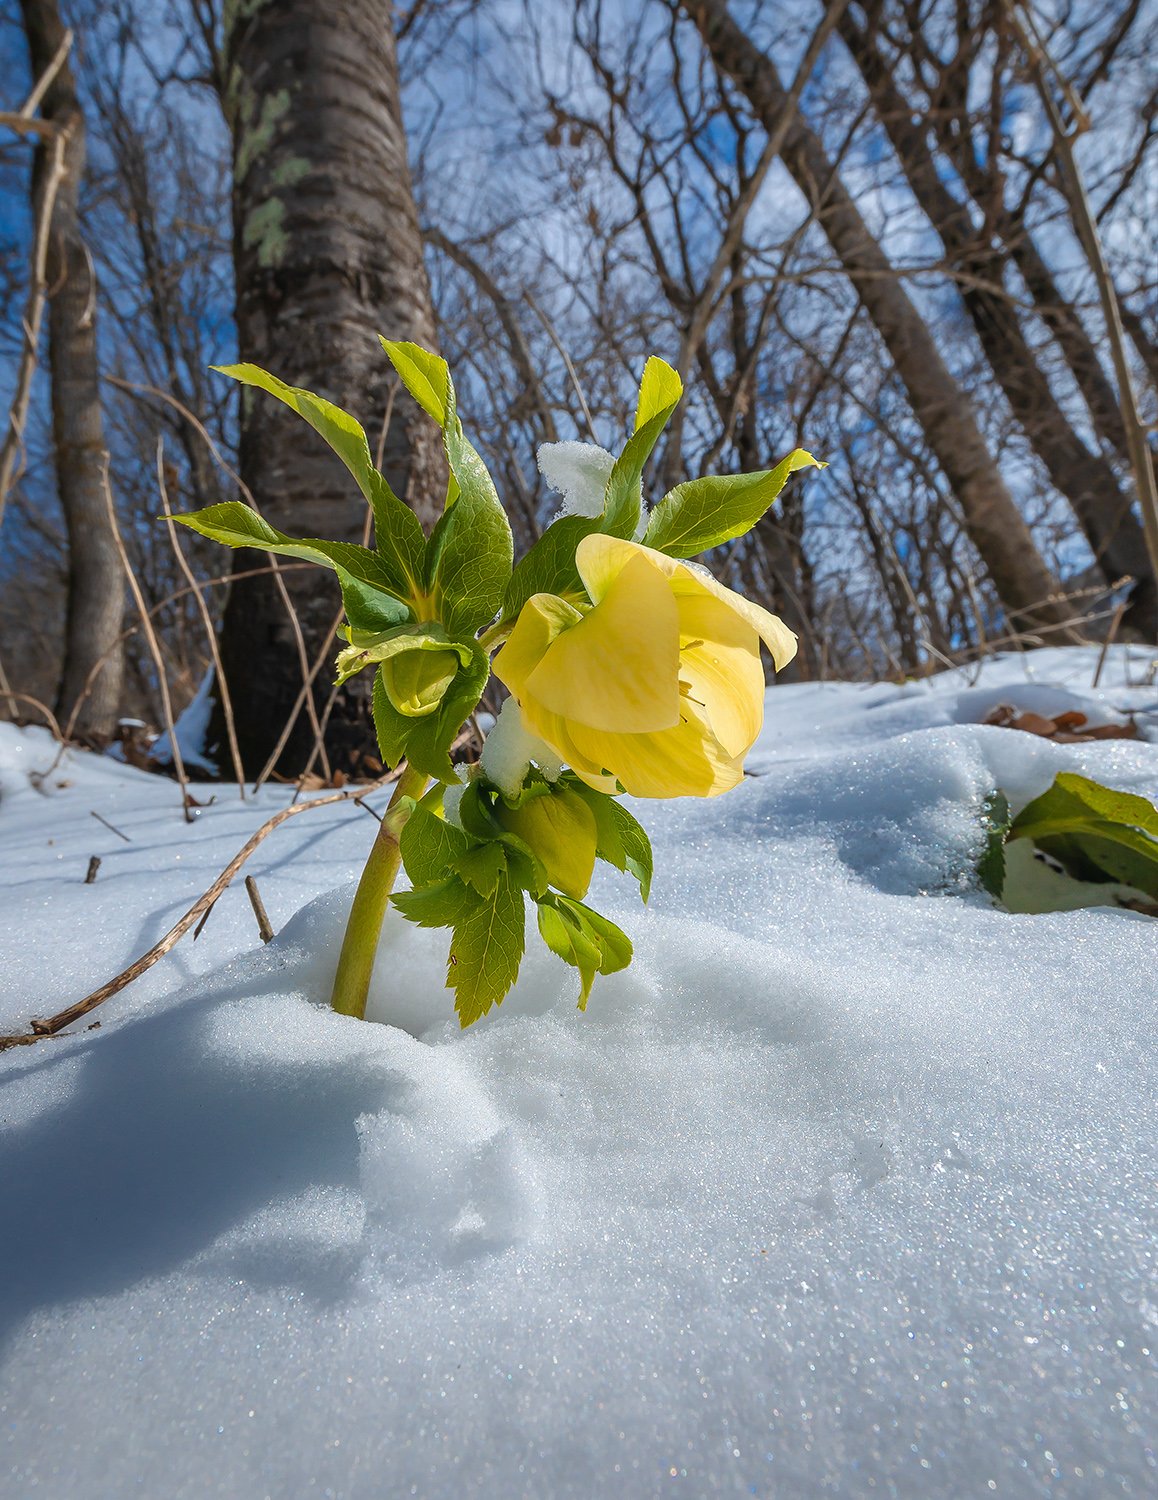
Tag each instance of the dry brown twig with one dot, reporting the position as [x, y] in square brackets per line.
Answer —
[151, 638]
[39, 1030]
[210, 633]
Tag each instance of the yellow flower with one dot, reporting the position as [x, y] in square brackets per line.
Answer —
[658, 686]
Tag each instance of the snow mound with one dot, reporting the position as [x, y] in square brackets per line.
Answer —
[844, 1188]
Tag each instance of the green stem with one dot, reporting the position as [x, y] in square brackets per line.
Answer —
[496, 635]
[360, 945]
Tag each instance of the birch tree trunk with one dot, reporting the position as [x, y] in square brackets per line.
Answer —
[996, 527]
[93, 657]
[328, 255]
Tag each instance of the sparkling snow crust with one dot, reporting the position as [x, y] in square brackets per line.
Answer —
[846, 1188]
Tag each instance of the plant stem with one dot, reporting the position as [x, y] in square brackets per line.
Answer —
[360, 945]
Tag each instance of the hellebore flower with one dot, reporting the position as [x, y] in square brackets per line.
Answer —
[658, 686]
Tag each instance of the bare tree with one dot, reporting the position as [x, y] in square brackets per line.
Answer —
[327, 255]
[93, 662]
[996, 526]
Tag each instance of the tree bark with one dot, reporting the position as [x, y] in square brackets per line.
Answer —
[996, 527]
[328, 255]
[96, 601]
[1085, 478]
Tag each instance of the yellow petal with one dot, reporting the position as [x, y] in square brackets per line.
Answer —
[601, 559]
[689, 582]
[618, 668]
[687, 761]
[540, 620]
[720, 668]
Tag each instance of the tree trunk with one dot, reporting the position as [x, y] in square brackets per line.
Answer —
[996, 527]
[93, 656]
[328, 255]
[1086, 479]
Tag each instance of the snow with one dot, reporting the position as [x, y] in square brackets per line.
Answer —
[844, 1188]
[191, 730]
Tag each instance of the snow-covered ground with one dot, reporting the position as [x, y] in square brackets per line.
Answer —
[845, 1188]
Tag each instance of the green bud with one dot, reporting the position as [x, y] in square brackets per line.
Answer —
[560, 828]
[416, 681]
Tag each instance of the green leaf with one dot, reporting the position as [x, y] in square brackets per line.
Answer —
[659, 392]
[470, 551]
[699, 515]
[620, 839]
[481, 867]
[486, 950]
[440, 904]
[1096, 833]
[624, 499]
[237, 525]
[390, 727]
[583, 938]
[397, 532]
[369, 609]
[425, 376]
[429, 741]
[995, 820]
[549, 566]
[430, 846]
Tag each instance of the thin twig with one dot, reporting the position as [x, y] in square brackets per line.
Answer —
[141, 388]
[1145, 481]
[34, 305]
[111, 827]
[558, 343]
[44, 709]
[41, 1029]
[44, 82]
[151, 638]
[264, 928]
[206, 620]
[1115, 623]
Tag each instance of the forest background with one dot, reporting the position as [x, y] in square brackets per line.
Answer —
[914, 238]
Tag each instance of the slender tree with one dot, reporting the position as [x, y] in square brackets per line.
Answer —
[92, 676]
[1025, 584]
[328, 255]
[1085, 477]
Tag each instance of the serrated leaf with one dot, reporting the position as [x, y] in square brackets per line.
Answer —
[367, 608]
[471, 549]
[481, 866]
[486, 951]
[995, 820]
[430, 846]
[583, 938]
[429, 741]
[390, 727]
[703, 513]
[624, 498]
[425, 376]
[440, 904]
[397, 532]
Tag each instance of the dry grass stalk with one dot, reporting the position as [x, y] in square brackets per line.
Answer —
[153, 643]
[38, 1030]
[210, 633]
